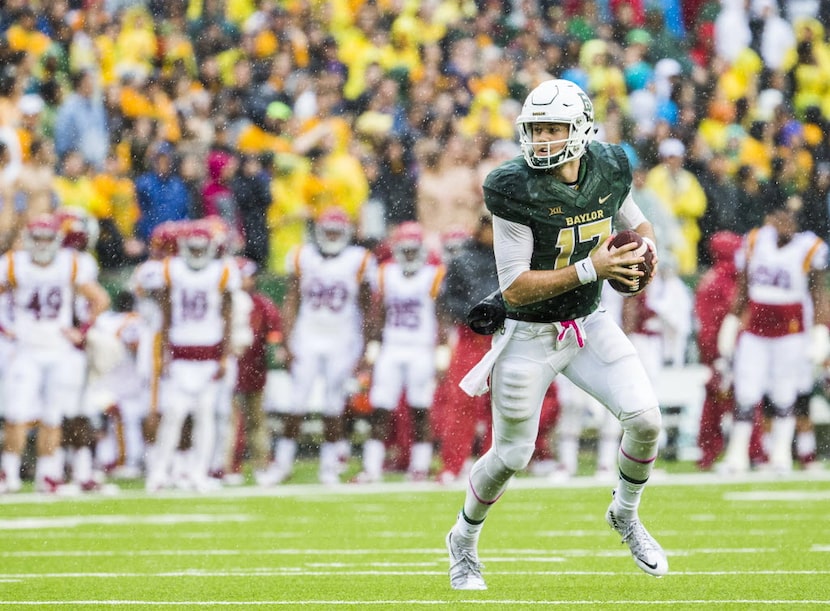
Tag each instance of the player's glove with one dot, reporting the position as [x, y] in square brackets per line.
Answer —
[488, 315]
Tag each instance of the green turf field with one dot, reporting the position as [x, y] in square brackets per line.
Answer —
[757, 543]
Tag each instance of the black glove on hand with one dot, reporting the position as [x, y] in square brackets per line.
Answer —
[487, 316]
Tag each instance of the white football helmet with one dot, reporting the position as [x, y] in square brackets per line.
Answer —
[333, 231]
[42, 238]
[197, 245]
[408, 246]
[556, 101]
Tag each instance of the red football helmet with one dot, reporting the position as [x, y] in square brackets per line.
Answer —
[408, 246]
[164, 239]
[452, 241]
[218, 228]
[42, 238]
[333, 231]
[197, 245]
[80, 229]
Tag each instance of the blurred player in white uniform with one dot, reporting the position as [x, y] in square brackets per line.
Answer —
[779, 267]
[82, 421]
[408, 357]
[195, 339]
[328, 299]
[115, 387]
[42, 382]
[658, 321]
[228, 243]
[147, 285]
[6, 342]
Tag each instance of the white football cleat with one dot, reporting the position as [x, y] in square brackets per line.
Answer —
[465, 569]
[233, 479]
[9, 485]
[364, 477]
[647, 553]
[328, 477]
[271, 476]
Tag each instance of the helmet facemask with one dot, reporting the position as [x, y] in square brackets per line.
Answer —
[332, 232]
[198, 249]
[408, 246]
[42, 239]
[410, 255]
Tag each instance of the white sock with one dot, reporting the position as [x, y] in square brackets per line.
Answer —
[568, 451]
[627, 497]
[82, 466]
[374, 452]
[737, 452]
[46, 467]
[180, 465]
[57, 464]
[805, 444]
[204, 440]
[10, 465]
[420, 457]
[466, 534]
[328, 457]
[344, 450]
[782, 433]
[285, 454]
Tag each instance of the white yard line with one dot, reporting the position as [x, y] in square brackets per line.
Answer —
[304, 573]
[493, 555]
[29, 523]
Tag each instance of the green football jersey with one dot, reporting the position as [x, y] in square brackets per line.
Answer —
[568, 221]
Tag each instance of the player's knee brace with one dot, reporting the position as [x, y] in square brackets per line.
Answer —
[643, 427]
[515, 457]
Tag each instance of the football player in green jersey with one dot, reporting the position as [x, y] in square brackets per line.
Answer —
[554, 209]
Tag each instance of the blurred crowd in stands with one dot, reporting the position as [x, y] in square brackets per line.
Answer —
[268, 113]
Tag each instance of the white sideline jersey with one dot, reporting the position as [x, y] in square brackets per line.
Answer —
[196, 300]
[779, 276]
[329, 289]
[44, 296]
[409, 301]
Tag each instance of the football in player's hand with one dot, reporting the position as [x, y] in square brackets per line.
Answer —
[625, 237]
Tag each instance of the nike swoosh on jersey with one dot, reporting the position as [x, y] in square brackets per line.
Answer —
[602, 200]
